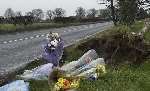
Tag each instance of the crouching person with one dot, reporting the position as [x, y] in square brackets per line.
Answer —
[53, 49]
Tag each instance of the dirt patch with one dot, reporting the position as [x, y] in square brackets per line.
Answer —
[118, 47]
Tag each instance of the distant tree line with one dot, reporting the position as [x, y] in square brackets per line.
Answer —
[57, 15]
[17, 20]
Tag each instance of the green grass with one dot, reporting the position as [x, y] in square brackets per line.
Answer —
[72, 53]
[7, 27]
[137, 26]
[39, 85]
[147, 36]
[11, 28]
[126, 78]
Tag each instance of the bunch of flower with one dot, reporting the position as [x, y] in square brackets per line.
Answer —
[64, 84]
[100, 70]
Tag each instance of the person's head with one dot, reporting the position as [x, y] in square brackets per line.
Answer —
[53, 36]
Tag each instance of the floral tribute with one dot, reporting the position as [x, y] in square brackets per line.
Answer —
[65, 84]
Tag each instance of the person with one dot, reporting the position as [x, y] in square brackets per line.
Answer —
[53, 50]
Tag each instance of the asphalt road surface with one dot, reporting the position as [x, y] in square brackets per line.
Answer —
[20, 48]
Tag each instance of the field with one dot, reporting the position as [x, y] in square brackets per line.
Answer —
[11, 28]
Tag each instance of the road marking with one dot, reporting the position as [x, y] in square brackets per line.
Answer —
[42, 35]
[31, 37]
[37, 36]
[20, 39]
[15, 40]
[74, 29]
[5, 42]
[26, 38]
[10, 41]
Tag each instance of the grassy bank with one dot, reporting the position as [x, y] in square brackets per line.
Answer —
[11, 28]
[137, 26]
[147, 35]
[126, 78]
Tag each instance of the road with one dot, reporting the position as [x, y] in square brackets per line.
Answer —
[20, 48]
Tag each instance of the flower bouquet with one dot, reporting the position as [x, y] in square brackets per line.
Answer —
[65, 84]
[62, 81]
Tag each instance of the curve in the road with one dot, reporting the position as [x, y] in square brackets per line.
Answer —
[21, 48]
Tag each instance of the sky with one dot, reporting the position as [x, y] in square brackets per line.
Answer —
[27, 5]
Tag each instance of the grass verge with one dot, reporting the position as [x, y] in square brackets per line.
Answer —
[11, 28]
[126, 78]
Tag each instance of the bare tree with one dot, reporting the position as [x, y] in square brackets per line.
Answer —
[145, 4]
[105, 13]
[59, 12]
[49, 14]
[38, 13]
[91, 13]
[29, 13]
[80, 12]
[18, 13]
[9, 13]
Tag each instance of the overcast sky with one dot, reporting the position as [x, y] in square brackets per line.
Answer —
[27, 5]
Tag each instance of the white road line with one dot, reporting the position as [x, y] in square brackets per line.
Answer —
[74, 29]
[42, 35]
[46, 35]
[5, 42]
[37, 36]
[26, 38]
[15, 40]
[20, 39]
[10, 41]
[31, 37]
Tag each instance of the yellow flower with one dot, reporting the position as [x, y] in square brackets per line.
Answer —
[66, 84]
[56, 88]
[61, 80]
[60, 84]
[75, 84]
[100, 69]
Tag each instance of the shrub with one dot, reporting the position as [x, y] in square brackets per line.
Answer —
[7, 28]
